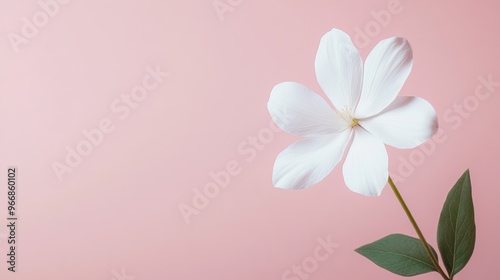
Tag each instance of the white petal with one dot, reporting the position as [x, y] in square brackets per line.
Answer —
[339, 69]
[406, 123]
[308, 161]
[298, 110]
[366, 165]
[386, 69]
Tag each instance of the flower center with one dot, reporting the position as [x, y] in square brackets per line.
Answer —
[346, 114]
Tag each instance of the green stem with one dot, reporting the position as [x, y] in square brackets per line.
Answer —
[417, 229]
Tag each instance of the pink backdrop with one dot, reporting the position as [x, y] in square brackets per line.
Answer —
[115, 213]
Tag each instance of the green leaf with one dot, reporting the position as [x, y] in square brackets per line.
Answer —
[400, 254]
[456, 234]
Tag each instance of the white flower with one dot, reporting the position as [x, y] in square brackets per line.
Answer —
[367, 113]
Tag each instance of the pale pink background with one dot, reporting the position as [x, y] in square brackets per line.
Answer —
[119, 208]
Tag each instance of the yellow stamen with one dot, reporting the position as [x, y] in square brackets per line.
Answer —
[354, 122]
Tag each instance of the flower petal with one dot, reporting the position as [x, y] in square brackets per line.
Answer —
[339, 69]
[386, 69]
[298, 110]
[406, 123]
[366, 165]
[308, 161]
